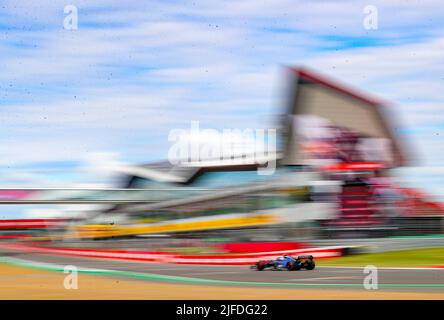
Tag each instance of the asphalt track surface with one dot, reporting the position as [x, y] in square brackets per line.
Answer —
[337, 278]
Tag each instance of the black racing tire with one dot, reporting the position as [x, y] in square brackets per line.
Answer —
[290, 266]
[260, 265]
[311, 265]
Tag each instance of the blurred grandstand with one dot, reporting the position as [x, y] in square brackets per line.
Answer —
[332, 181]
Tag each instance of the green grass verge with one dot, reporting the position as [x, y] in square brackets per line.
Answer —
[404, 258]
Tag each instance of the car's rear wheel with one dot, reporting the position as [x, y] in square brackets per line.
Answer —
[311, 265]
[290, 266]
[260, 265]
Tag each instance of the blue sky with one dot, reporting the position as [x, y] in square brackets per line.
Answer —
[74, 103]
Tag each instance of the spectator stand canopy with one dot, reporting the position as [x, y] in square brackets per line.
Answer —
[327, 123]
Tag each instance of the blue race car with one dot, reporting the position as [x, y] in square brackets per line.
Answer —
[286, 263]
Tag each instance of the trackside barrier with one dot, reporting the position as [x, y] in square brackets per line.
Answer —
[161, 257]
[257, 246]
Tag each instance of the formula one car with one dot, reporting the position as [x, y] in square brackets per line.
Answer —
[286, 263]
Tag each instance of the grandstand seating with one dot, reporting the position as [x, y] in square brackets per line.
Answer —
[357, 207]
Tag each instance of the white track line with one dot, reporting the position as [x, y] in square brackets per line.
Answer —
[381, 268]
[209, 273]
[324, 278]
[164, 269]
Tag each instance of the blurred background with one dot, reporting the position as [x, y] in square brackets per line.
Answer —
[332, 183]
